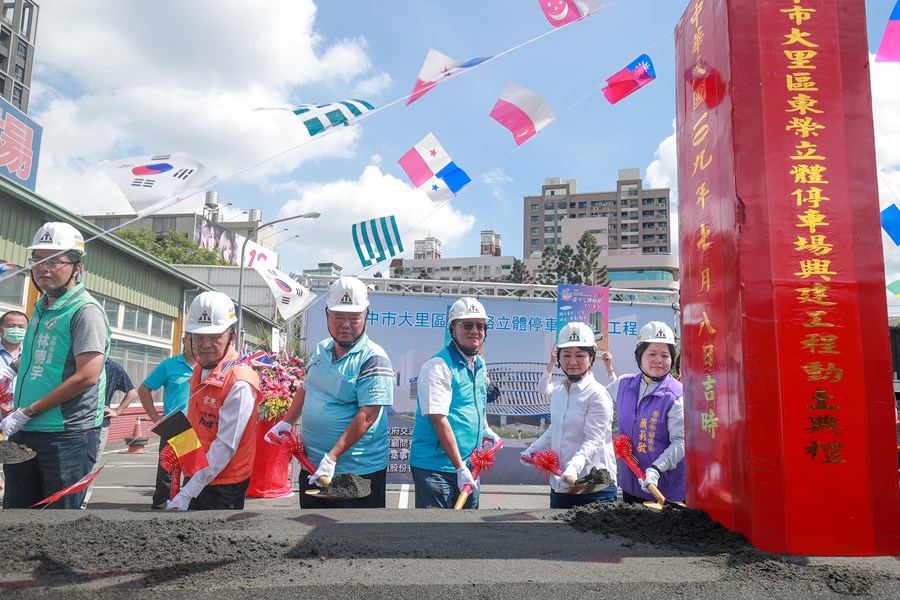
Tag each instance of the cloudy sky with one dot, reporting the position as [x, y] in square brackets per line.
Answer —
[111, 82]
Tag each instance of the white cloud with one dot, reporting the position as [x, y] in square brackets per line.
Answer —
[345, 202]
[496, 178]
[663, 172]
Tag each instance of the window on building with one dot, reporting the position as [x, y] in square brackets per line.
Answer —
[5, 38]
[535, 242]
[582, 205]
[138, 359]
[535, 219]
[549, 241]
[111, 307]
[595, 204]
[17, 96]
[12, 291]
[27, 18]
[164, 223]
[581, 215]
[535, 207]
[561, 204]
[535, 230]
[20, 73]
[2, 84]
[9, 11]
[22, 50]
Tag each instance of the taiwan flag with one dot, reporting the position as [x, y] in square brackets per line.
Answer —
[636, 75]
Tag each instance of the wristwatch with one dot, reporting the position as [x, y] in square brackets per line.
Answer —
[29, 412]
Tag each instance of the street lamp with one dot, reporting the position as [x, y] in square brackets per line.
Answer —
[240, 305]
[295, 236]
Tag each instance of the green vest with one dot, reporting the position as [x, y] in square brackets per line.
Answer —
[47, 360]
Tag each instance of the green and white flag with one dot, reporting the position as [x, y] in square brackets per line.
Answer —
[319, 117]
[376, 240]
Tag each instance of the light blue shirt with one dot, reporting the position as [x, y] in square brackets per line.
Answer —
[173, 375]
[335, 391]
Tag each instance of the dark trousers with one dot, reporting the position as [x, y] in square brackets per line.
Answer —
[163, 490]
[436, 489]
[562, 500]
[62, 459]
[228, 496]
[376, 499]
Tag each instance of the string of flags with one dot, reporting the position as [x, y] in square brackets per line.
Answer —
[889, 49]
[319, 117]
[521, 111]
[376, 240]
[437, 68]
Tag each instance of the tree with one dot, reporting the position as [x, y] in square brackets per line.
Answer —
[172, 247]
[400, 271]
[423, 274]
[378, 274]
[518, 273]
[546, 274]
[586, 256]
[565, 266]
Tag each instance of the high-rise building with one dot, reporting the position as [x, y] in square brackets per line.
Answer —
[18, 25]
[637, 219]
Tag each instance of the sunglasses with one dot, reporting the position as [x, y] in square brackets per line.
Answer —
[468, 326]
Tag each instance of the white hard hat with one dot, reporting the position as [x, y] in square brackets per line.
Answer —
[656, 331]
[467, 308]
[348, 294]
[57, 236]
[210, 312]
[575, 335]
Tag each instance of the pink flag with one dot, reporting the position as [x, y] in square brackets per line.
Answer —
[437, 68]
[521, 111]
[79, 486]
[636, 75]
[431, 170]
[563, 12]
[889, 50]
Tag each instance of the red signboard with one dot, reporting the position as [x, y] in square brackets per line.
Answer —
[788, 385]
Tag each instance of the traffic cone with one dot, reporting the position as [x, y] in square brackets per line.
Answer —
[137, 441]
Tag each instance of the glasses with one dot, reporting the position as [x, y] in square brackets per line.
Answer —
[469, 325]
[53, 264]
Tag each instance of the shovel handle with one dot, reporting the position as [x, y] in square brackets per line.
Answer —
[463, 496]
[656, 493]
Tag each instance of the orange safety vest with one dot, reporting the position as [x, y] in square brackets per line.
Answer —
[206, 400]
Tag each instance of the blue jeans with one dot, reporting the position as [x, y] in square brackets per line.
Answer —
[436, 489]
[62, 459]
[558, 500]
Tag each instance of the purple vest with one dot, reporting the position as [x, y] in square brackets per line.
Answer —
[647, 428]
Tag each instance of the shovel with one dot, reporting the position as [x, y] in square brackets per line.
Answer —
[480, 459]
[292, 442]
[548, 462]
[625, 451]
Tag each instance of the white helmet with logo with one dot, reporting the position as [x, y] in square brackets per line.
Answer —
[656, 331]
[210, 312]
[348, 294]
[467, 308]
[575, 335]
[58, 236]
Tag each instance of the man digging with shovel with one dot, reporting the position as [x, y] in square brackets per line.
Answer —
[349, 380]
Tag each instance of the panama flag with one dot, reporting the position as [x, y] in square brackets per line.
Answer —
[189, 451]
[376, 239]
[437, 68]
[890, 226]
[636, 75]
[889, 50]
[290, 297]
[430, 169]
[521, 111]
[563, 12]
[147, 181]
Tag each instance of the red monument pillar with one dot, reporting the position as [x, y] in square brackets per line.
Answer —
[789, 402]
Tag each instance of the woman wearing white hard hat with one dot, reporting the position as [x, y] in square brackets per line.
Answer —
[581, 414]
[59, 399]
[451, 412]
[221, 409]
[650, 411]
[343, 402]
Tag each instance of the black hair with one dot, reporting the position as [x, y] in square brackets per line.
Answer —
[642, 347]
[11, 313]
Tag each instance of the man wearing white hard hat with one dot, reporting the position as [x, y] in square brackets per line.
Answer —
[349, 383]
[650, 410]
[221, 409]
[581, 414]
[451, 408]
[60, 377]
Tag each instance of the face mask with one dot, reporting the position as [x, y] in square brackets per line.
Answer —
[14, 335]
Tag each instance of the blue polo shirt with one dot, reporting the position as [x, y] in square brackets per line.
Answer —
[173, 375]
[335, 391]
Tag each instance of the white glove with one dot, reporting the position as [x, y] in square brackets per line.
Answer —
[651, 475]
[557, 483]
[527, 454]
[275, 435]
[181, 501]
[464, 478]
[326, 468]
[569, 476]
[13, 422]
[489, 434]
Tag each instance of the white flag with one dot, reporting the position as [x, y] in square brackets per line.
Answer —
[149, 180]
[290, 297]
